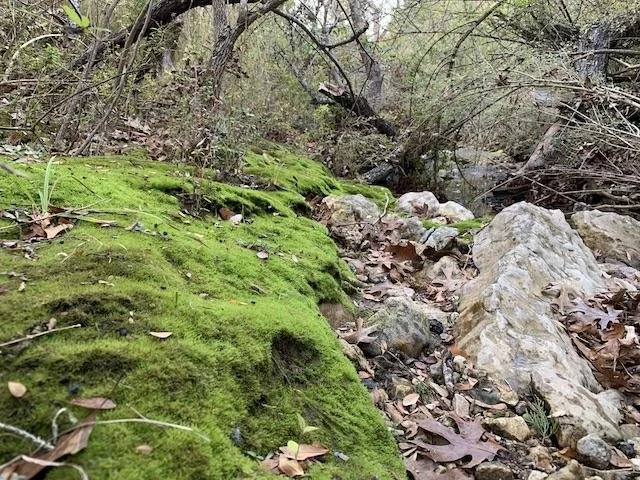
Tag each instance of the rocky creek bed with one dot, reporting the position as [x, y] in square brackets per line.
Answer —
[209, 326]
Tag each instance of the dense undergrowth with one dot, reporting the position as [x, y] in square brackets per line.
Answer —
[249, 351]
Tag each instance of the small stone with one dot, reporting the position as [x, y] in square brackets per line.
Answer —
[521, 408]
[594, 451]
[572, 471]
[629, 430]
[493, 471]
[541, 459]
[454, 212]
[439, 238]
[514, 428]
[461, 405]
[421, 204]
[400, 388]
[537, 475]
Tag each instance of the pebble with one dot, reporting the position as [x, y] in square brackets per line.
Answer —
[572, 471]
[594, 451]
[537, 475]
[514, 428]
[541, 459]
[493, 471]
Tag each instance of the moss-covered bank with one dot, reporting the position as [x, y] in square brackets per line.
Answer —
[249, 350]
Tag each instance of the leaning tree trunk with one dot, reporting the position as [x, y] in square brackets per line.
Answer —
[226, 40]
[163, 13]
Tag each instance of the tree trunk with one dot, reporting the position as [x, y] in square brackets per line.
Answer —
[359, 106]
[163, 13]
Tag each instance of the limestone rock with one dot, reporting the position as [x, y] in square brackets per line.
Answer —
[341, 213]
[507, 326]
[541, 459]
[594, 451]
[571, 471]
[493, 471]
[405, 325]
[454, 212]
[411, 228]
[439, 238]
[350, 209]
[400, 387]
[614, 236]
[629, 430]
[419, 204]
[514, 428]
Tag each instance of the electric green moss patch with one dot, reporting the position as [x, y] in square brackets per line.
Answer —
[248, 352]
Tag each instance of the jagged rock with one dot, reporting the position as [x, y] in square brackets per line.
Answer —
[493, 471]
[411, 228]
[629, 430]
[571, 471]
[613, 236]
[342, 213]
[594, 451]
[349, 209]
[400, 387]
[541, 459]
[419, 204]
[439, 238]
[507, 326]
[404, 325]
[514, 428]
[454, 212]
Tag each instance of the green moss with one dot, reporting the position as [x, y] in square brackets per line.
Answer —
[470, 226]
[464, 227]
[249, 350]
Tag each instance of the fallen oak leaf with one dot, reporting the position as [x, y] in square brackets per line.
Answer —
[465, 443]
[304, 451]
[94, 403]
[291, 468]
[361, 334]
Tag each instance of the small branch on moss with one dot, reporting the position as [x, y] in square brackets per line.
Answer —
[21, 433]
[141, 420]
[35, 335]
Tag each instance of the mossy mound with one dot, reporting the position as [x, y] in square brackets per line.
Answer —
[249, 351]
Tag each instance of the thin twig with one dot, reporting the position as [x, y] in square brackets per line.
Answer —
[26, 435]
[35, 335]
[157, 423]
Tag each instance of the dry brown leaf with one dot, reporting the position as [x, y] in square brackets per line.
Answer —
[17, 389]
[465, 443]
[619, 459]
[95, 403]
[361, 335]
[410, 399]
[161, 335]
[68, 444]
[270, 464]
[52, 231]
[291, 468]
[305, 451]
[226, 213]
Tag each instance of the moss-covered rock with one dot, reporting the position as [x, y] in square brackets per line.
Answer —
[249, 350]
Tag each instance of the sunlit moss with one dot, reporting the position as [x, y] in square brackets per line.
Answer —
[249, 350]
